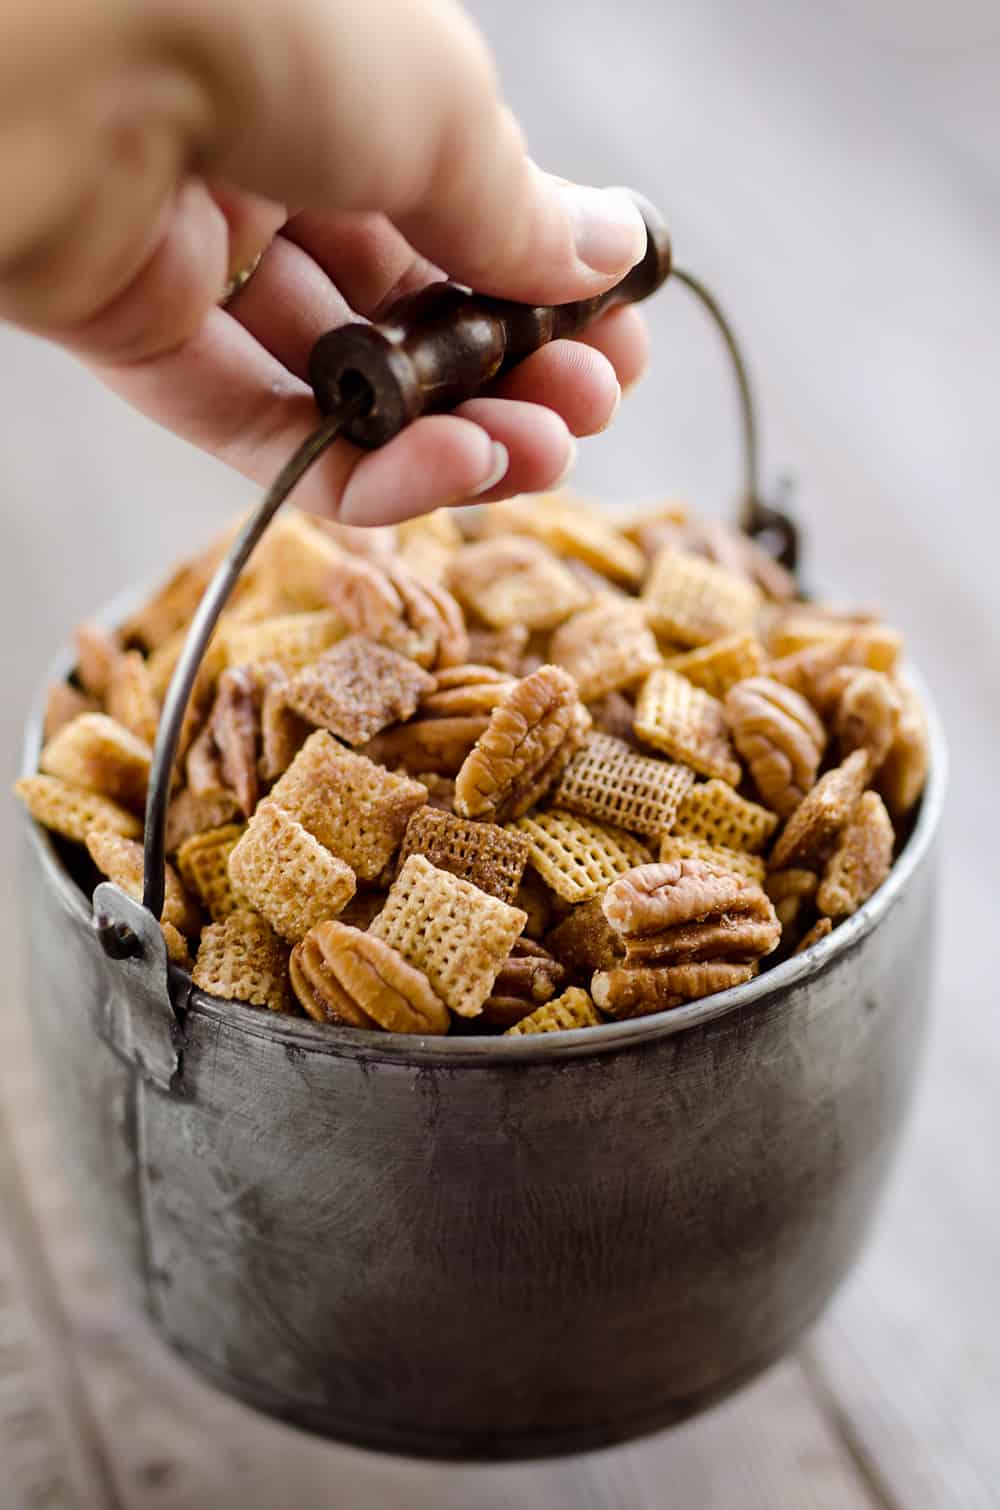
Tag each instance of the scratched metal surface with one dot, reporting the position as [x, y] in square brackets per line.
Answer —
[835, 174]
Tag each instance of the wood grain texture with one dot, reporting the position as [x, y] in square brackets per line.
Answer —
[834, 175]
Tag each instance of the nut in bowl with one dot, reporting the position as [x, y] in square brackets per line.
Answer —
[342, 721]
[541, 978]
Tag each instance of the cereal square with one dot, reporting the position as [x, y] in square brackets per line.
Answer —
[357, 688]
[577, 857]
[490, 857]
[287, 875]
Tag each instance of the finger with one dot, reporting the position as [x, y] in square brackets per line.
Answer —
[253, 223]
[288, 304]
[574, 380]
[423, 137]
[622, 335]
[369, 260]
[540, 448]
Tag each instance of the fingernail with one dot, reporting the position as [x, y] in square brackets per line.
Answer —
[498, 471]
[608, 231]
[567, 469]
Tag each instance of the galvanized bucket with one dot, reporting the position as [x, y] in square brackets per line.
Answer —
[483, 1248]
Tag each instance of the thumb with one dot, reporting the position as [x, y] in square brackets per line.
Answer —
[394, 106]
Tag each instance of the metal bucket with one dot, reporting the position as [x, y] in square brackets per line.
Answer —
[485, 1248]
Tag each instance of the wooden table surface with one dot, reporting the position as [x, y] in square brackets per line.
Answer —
[833, 172]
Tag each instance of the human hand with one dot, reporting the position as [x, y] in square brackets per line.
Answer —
[147, 154]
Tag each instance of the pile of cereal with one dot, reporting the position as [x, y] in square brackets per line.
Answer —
[524, 772]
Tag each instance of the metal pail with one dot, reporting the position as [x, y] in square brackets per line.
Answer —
[485, 1248]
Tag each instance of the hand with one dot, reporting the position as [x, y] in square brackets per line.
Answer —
[147, 158]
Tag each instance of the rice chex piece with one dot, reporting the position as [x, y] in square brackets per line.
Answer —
[686, 847]
[121, 860]
[73, 811]
[577, 857]
[95, 752]
[690, 601]
[608, 780]
[674, 716]
[292, 639]
[203, 861]
[456, 934]
[243, 959]
[357, 688]
[356, 809]
[491, 857]
[573, 1009]
[712, 811]
[604, 647]
[718, 666]
[287, 875]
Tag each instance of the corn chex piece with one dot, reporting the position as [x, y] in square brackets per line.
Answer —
[686, 847]
[357, 688]
[576, 529]
[203, 861]
[293, 639]
[712, 811]
[243, 959]
[717, 667]
[120, 860]
[490, 857]
[131, 699]
[427, 545]
[693, 602]
[72, 810]
[573, 1009]
[287, 875]
[449, 929]
[609, 781]
[515, 580]
[689, 725]
[605, 647]
[95, 752]
[356, 809]
[577, 857]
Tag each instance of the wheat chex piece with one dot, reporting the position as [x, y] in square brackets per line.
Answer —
[456, 934]
[609, 781]
[693, 602]
[689, 725]
[573, 1009]
[357, 688]
[577, 857]
[243, 959]
[97, 753]
[861, 861]
[712, 811]
[203, 861]
[63, 703]
[491, 857]
[293, 639]
[514, 580]
[718, 666]
[287, 875]
[73, 811]
[120, 860]
[686, 847]
[356, 809]
[605, 647]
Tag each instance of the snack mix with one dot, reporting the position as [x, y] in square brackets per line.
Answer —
[524, 771]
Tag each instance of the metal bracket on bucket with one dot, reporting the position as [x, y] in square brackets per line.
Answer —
[139, 1020]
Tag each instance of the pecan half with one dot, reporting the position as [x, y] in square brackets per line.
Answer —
[681, 911]
[867, 715]
[861, 861]
[419, 619]
[631, 991]
[779, 736]
[904, 771]
[342, 975]
[527, 979]
[529, 739]
[235, 726]
[807, 837]
[440, 745]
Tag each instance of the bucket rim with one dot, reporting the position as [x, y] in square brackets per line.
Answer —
[447, 1052]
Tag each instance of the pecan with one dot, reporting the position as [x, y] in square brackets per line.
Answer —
[904, 771]
[861, 861]
[466, 690]
[440, 745]
[528, 978]
[779, 736]
[204, 766]
[417, 618]
[96, 652]
[791, 891]
[585, 940]
[615, 715]
[63, 703]
[630, 991]
[808, 835]
[502, 648]
[680, 911]
[235, 726]
[342, 975]
[867, 715]
[282, 731]
[523, 750]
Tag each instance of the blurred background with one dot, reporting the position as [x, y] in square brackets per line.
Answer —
[833, 173]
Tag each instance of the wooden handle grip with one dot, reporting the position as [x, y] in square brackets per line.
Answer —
[443, 345]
